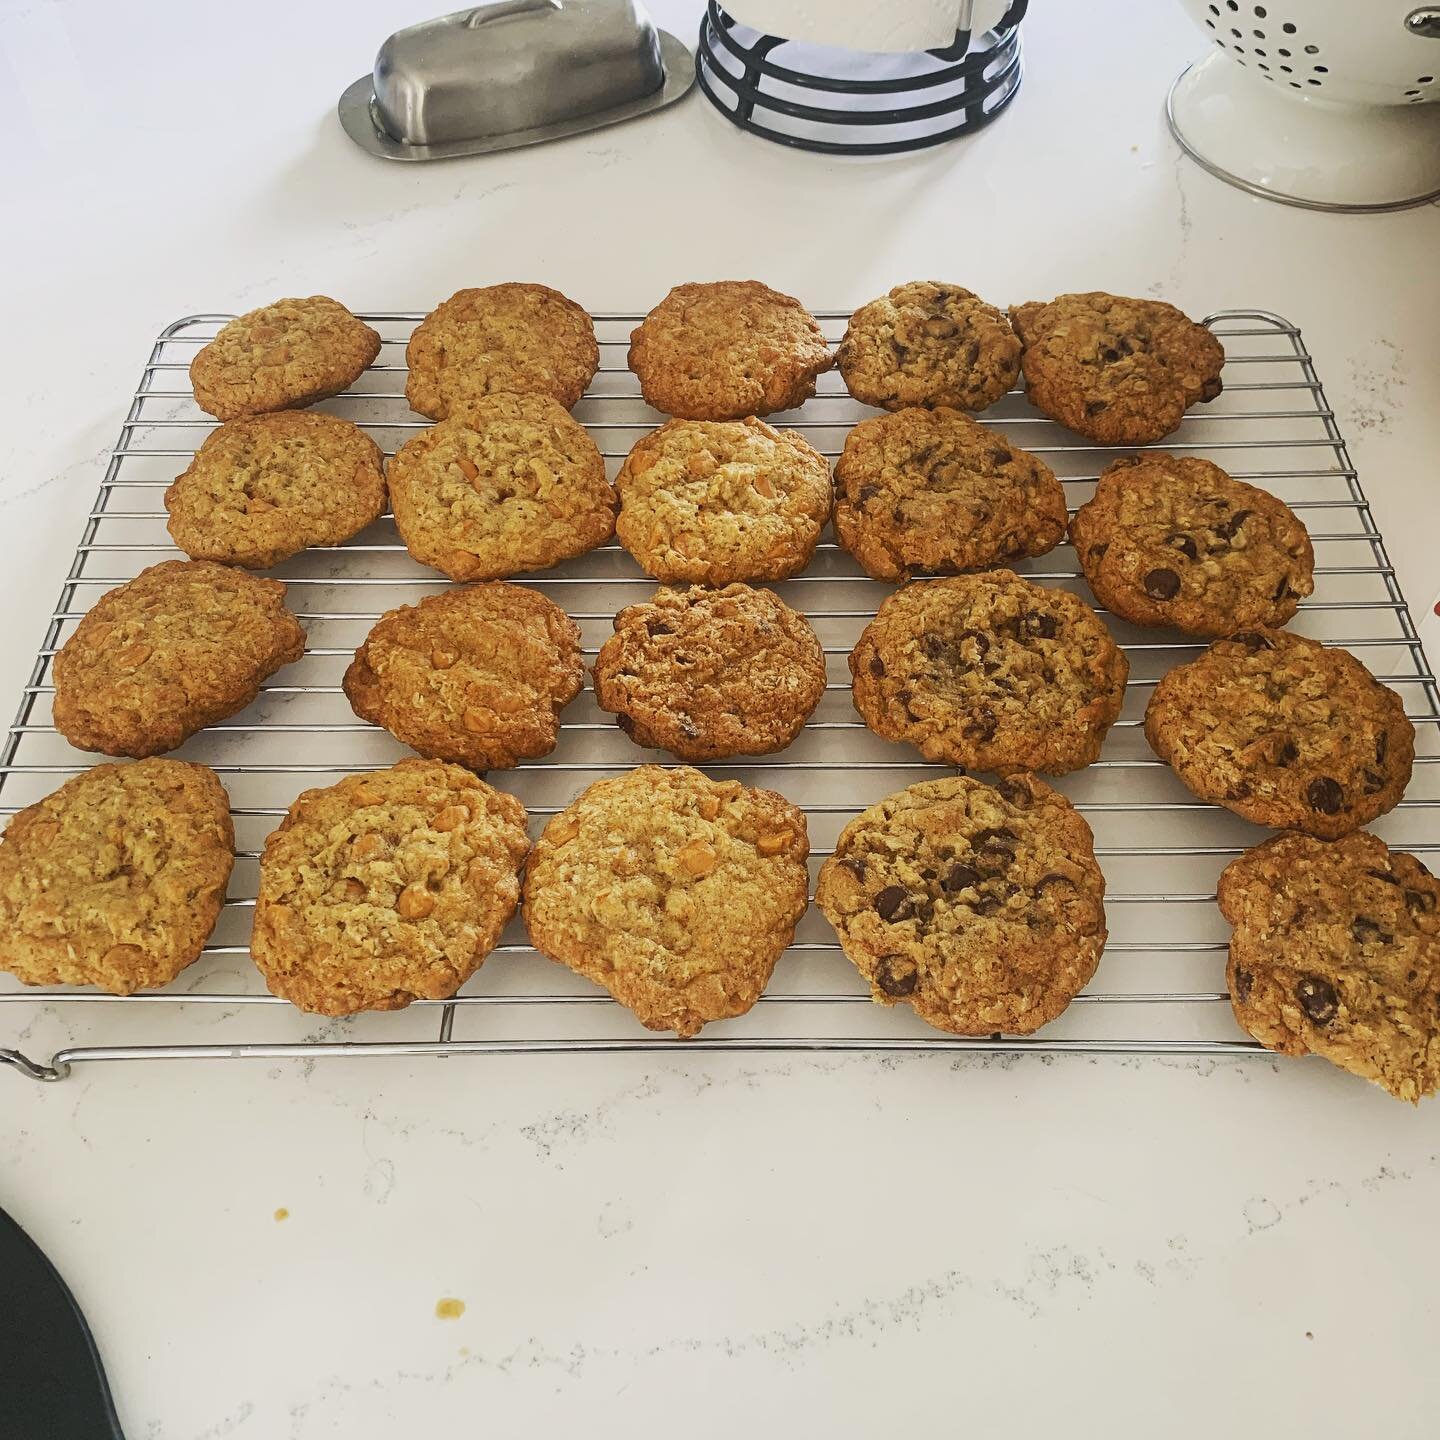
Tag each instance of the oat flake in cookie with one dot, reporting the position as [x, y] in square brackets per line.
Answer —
[982, 907]
[1336, 952]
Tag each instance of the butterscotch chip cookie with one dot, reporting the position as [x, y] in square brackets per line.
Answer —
[511, 484]
[728, 350]
[477, 675]
[117, 878]
[387, 888]
[709, 673]
[981, 907]
[182, 645]
[991, 672]
[713, 502]
[1284, 731]
[1175, 541]
[929, 344]
[1115, 370]
[263, 489]
[498, 339]
[932, 490]
[675, 892]
[1336, 952]
[282, 356]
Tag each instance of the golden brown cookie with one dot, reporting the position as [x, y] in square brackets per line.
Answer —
[1171, 540]
[510, 484]
[117, 878]
[499, 339]
[477, 675]
[1284, 731]
[992, 672]
[711, 503]
[980, 906]
[182, 645]
[281, 357]
[709, 673]
[387, 888]
[728, 350]
[931, 490]
[1336, 952]
[1115, 370]
[929, 344]
[263, 489]
[675, 892]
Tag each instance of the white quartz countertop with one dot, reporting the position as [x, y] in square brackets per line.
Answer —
[839, 1246]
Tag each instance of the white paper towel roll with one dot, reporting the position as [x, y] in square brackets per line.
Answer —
[885, 25]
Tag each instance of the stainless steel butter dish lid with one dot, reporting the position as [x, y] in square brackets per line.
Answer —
[512, 73]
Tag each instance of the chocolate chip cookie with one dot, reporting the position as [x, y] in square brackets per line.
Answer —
[281, 357]
[182, 645]
[991, 672]
[499, 339]
[929, 344]
[931, 490]
[510, 483]
[981, 907]
[262, 489]
[1175, 541]
[387, 888]
[1336, 952]
[728, 350]
[711, 503]
[117, 878]
[1285, 732]
[477, 675]
[675, 892]
[1115, 370]
[709, 673]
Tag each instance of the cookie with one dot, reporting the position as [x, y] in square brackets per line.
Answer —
[500, 339]
[728, 350]
[991, 672]
[1115, 370]
[387, 888]
[1336, 952]
[117, 878]
[477, 675]
[263, 489]
[709, 673]
[511, 484]
[709, 502]
[1175, 541]
[929, 344]
[281, 357]
[675, 892]
[931, 490]
[1285, 732]
[981, 907]
[182, 645]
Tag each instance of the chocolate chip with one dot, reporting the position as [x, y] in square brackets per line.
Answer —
[1211, 389]
[982, 641]
[1419, 901]
[1384, 875]
[1231, 527]
[1289, 753]
[1000, 457]
[999, 835]
[868, 492]
[890, 901]
[896, 974]
[1317, 998]
[658, 627]
[1382, 746]
[1094, 407]
[982, 725]
[1374, 783]
[961, 877]
[1283, 590]
[1109, 355]
[1016, 791]
[1365, 932]
[625, 723]
[1040, 624]
[1324, 795]
[855, 866]
[877, 666]
[933, 646]
[1045, 882]
[986, 905]
[1162, 584]
[1185, 544]
[1253, 640]
[1243, 981]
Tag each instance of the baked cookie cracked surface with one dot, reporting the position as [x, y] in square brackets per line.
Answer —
[980, 906]
[477, 675]
[929, 344]
[1336, 952]
[387, 887]
[117, 878]
[931, 490]
[1284, 731]
[991, 672]
[675, 892]
[710, 673]
[182, 645]
[1116, 370]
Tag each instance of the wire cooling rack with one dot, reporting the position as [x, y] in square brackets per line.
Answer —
[1159, 989]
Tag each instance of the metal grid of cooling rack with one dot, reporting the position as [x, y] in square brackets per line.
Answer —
[1159, 989]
